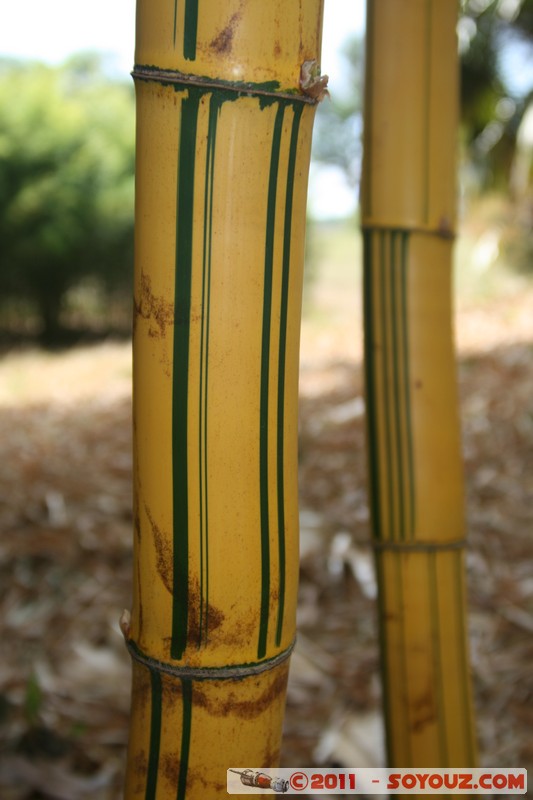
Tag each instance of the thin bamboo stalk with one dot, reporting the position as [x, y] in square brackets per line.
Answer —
[408, 213]
[223, 147]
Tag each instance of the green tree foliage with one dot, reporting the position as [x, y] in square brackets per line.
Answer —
[66, 182]
[496, 45]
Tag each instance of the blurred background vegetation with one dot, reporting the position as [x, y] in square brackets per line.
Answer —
[67, 160]
[66, 196]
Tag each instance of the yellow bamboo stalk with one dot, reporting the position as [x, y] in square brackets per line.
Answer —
[223, 143]
[408, 213]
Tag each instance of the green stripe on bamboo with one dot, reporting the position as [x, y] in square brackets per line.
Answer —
[265, 372]
[155, 735]
[370, 385]
[387, 371]
[281, 364]
[203, 625]
[190, 29]
[182, 313]
[404, 261]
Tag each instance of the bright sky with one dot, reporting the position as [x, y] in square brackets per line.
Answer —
[51, 31]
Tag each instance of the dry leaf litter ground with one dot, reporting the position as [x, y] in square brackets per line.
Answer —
[65, 550]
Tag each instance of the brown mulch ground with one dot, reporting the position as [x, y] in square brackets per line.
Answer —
[65, 560]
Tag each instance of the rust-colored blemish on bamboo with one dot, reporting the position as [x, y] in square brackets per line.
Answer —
[223, 43]
[158, 312]
[169, 766]
[211, 618]
[196, 776]
[140, 767]
[245, 709]
[424, 712]
[152, 308]
[163, 551]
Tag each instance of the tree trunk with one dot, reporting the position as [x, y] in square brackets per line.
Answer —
[49, 304]
[408, 212]
[223, 144]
